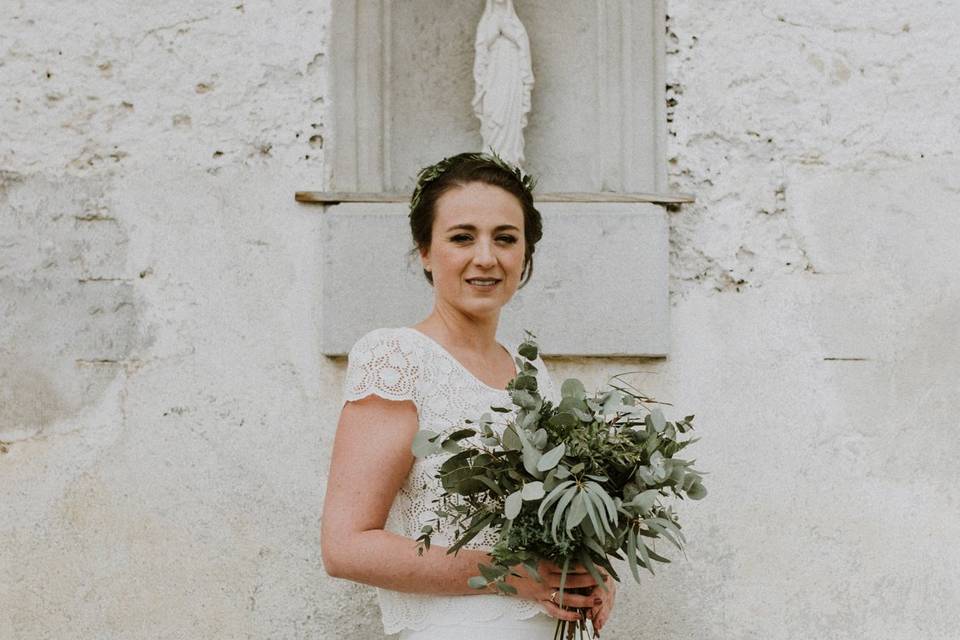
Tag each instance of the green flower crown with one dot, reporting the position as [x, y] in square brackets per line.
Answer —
[430, 173]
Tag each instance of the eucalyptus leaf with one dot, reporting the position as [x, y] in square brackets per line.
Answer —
[530, 455]
[565, 419]
[490, 484]
[451, 446]
[422, 445]
[551, 458]
[477, 582]
[587, 562]
[550, 482]
[644, 477]
[578, 511]
[677, 474]
[532, 491]
[611, 401]
[653, 441]
[645, 501]
[511, 441]
[572, 388]
[663, 532]
[697, 491]
[552, 497]
[488, 572]
[460, 434]
[656, 417]
[528, 350]
[524, 399]
[606, 510]
[530, 459]
[562, 504]
[654, 556]
[644, 553]
[591, 543]
[530, 419]
[512, 505]
[591, 508]
[540, 438]
[506, 588]
[632, 553]
[582, 415]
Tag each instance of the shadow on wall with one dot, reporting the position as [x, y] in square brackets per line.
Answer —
[70, 317]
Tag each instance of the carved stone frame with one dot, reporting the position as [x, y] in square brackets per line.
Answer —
[360, 135]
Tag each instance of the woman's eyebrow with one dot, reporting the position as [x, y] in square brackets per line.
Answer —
[470, 227]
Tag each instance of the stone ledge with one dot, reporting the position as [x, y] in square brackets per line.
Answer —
[336, 197]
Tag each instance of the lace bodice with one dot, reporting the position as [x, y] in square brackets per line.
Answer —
[402, 363]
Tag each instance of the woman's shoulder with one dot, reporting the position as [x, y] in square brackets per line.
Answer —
[385, 361]
[384, 336]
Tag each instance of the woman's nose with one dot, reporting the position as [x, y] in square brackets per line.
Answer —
[483, 255]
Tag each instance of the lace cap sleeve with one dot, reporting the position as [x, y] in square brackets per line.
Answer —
[383, 362]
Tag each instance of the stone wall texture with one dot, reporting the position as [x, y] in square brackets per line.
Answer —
[166, 417]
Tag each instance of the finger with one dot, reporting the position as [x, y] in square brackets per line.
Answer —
[556, 612]
[573, 582]
[575, 600]
[552, 567]
[601, 590]
[603, 619]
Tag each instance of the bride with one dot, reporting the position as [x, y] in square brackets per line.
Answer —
[474, 225]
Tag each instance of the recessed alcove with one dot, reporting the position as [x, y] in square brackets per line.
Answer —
[402, 85]
[401, 90]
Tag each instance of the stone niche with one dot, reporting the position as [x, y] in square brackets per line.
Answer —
[401, 90]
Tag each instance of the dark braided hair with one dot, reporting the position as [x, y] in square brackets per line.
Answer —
[459, 170]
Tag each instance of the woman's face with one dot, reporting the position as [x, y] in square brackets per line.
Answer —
[477, 233]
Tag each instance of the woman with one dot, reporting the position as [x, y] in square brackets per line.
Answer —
[475, 227]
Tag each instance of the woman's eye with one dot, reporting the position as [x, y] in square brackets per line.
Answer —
[464, 238]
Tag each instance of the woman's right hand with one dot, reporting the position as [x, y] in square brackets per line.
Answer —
[540, 592]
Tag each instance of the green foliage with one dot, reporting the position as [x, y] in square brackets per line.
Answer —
[581, 482]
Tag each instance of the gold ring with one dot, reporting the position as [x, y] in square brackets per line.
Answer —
[552, 596]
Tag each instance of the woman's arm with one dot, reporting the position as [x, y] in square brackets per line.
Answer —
[370, 462]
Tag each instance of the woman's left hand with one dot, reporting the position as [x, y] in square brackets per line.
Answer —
[601, 611]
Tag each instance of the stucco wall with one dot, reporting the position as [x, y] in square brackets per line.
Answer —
[166, 419]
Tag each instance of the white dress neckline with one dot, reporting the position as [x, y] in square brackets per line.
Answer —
[443, 349]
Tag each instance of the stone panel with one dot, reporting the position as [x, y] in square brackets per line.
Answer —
[599, 285]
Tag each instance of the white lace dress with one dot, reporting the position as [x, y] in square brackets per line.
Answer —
[402, 363]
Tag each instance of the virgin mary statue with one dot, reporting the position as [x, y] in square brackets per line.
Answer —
[504, 79]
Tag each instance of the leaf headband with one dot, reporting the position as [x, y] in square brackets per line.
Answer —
[430, 173]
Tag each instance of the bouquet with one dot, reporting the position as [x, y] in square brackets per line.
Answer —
[584, 482]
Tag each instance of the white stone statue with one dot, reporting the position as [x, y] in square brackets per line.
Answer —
[504, 79]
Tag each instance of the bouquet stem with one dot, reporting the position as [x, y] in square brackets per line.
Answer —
[569, 629]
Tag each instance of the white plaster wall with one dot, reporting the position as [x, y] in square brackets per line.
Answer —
[165, 417]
